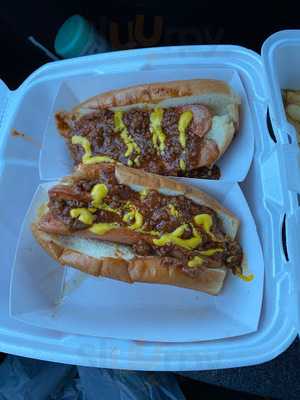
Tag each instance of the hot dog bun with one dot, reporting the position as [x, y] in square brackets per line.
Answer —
[114, 261]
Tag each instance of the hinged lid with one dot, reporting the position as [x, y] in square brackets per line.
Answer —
[281, 59]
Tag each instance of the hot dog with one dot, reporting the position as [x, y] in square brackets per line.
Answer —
[118, 222]
[175, 128]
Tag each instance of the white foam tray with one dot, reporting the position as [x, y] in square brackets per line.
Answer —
[271, 198]
[72, 302]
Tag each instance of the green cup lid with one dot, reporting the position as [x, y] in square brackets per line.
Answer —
[72, 37]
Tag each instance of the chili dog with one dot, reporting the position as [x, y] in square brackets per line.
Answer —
[174, 128]
[125, 224]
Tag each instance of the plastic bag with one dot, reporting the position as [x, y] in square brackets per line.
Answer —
[28, 379]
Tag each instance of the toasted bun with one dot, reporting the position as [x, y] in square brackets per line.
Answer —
[165, 94]
[215, 94]
[118, 262]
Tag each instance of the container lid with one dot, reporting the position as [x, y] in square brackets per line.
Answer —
[72, 37]
[281, 60]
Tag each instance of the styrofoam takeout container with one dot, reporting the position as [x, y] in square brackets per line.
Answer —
[269, 189]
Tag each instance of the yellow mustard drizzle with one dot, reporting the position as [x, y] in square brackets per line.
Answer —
[83, 214]
[137, 160]
[182, 165]
[101, 228]
[135, 221]
[184, 121]
[87, 157]
[127, 139]
[174, 238]
[153, 233]
[246, 278]
[128, 205]
[144, 193]
[173, 211]
[136, 216]
[138, 221]
[211, 252]
[97, 159]
[158, 136]
[205, 220]
[128, 216]
[195, 262]
[98, 192]
[106, 207]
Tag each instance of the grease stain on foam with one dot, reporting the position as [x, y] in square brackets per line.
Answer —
[18, 134]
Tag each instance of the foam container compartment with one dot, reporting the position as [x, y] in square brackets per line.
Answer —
[72, 92]
[269, 188]
[73, 302]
